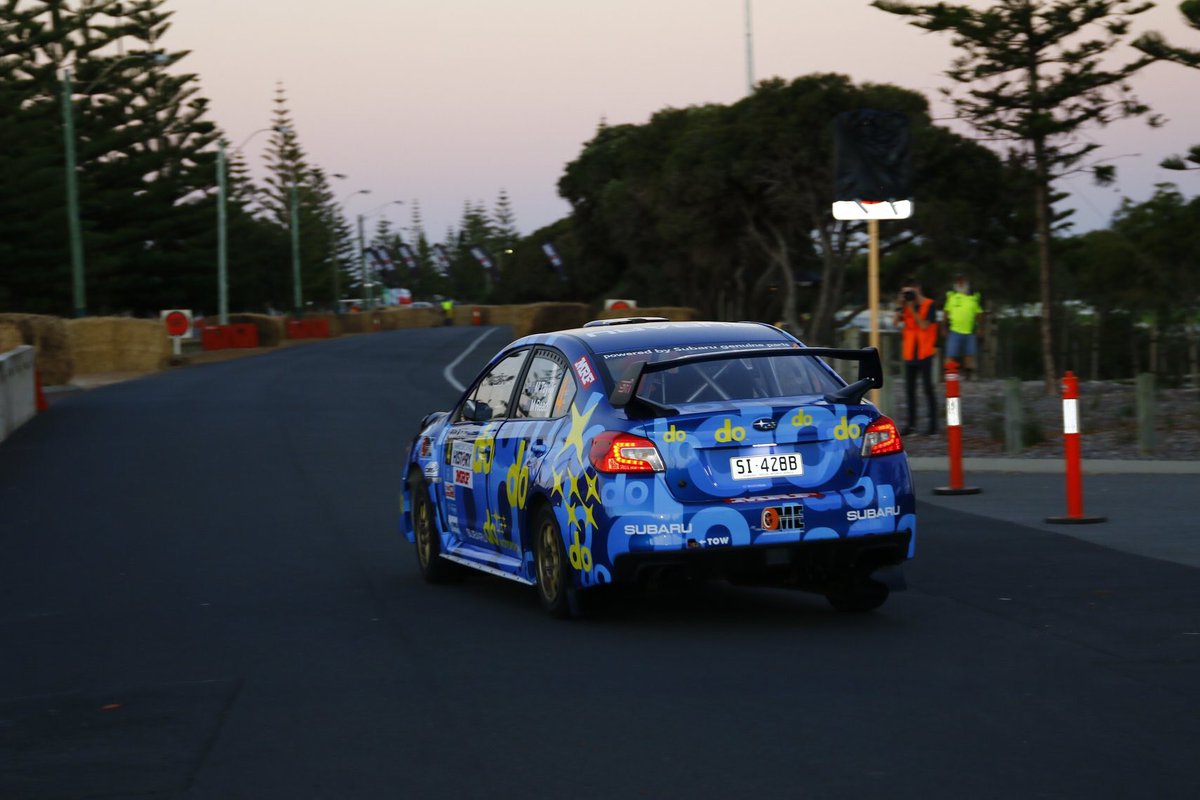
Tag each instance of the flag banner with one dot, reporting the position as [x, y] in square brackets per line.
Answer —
[379, 260]
[482, 256]
[409, 258]
[555, 261]
[442, 260]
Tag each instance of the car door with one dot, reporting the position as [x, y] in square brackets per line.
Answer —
[469, 453]
[523, 441]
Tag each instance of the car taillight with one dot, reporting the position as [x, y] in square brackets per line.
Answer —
[881, 439]
[613, 451]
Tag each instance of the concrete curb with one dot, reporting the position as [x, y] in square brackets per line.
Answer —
[1091, 466]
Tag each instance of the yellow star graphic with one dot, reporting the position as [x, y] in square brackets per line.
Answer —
[589, 515]
[575, 489]
[579, 423]
[570, 509]
[558, 476]
[592, 491]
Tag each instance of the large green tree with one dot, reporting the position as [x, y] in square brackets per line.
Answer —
[1034, 77]
[143, 162]
[727, 208]
[298, 193]
[1153, 44]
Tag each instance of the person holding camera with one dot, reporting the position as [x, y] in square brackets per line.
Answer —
[916, 316]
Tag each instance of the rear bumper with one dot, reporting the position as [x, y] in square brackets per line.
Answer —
[810, 565]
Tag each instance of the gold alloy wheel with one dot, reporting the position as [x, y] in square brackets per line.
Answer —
[549, 564]
[424, 535]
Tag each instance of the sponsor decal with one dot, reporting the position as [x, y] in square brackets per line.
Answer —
[476, 535]
[717, 541]
[856, 514]
[579, 554]
[801, 419]
[783, 518]
[452, 523]
[451, 492]
[730, 432]
[583, 368]
[460, 455]
[774, 498]
[652, 529]
[464, 478]
[673, 434]
[431, 470]
[426, 445]
[845, 430]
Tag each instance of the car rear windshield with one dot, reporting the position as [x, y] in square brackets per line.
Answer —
[726, 379]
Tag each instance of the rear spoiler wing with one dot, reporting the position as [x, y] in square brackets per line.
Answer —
[870, 372]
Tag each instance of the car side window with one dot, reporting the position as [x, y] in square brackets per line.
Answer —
[541, 387]
[495, 389]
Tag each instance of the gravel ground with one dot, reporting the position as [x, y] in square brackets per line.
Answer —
[1107, 420]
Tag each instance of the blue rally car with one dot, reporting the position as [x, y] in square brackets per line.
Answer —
[627, 449]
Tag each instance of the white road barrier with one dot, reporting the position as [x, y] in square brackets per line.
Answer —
[18, 401]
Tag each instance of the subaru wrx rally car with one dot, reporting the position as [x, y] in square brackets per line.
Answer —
[626, 449]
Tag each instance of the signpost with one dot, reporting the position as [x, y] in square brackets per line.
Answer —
[178, 322]
[873, 181]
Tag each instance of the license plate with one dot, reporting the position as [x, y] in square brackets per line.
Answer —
[744, 468]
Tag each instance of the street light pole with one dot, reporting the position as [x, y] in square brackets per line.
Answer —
[362, 264]
[362, 247]
[296, 293]
[223, 219]
[337, 292]
[749, 52]
[222, 239]
[75, 232]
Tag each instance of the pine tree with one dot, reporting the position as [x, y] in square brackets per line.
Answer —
[1034, 76]
[1154, 45]
[322, 230]
[143, 165]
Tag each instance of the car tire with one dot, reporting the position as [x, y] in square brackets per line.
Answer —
[434, 568]
[858, 595]
[551, 578]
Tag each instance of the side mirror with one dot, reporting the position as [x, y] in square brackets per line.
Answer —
[477, 412]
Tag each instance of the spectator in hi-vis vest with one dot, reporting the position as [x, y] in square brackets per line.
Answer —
[916, 316]
[962, 312]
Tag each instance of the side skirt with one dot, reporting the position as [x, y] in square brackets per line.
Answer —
[473, 564]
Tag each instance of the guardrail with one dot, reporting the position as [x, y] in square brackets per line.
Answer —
[18, 398]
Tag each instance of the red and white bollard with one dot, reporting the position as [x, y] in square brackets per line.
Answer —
[1071, 446]
[954, 435]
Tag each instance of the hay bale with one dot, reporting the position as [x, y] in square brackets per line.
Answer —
[546, 317]
[118, 344]
[334, 320]
[676, 313]
[49, 335]
[414, 318]
[525, 319]
[271, 330]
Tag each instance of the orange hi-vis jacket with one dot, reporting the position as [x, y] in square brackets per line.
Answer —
[919, 343]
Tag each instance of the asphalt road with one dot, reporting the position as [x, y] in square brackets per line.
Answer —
[203, 595]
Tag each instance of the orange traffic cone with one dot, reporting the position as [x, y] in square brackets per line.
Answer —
[40, 396]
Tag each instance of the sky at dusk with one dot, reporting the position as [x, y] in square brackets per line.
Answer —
[448, 101]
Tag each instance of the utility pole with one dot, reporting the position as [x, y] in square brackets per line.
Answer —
[74, 230]
[222, 239]
[749, 52]
[296, 293]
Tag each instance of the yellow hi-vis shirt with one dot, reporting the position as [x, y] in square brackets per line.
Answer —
[961, 311]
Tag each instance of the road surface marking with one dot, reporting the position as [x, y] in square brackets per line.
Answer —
[448, 372]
